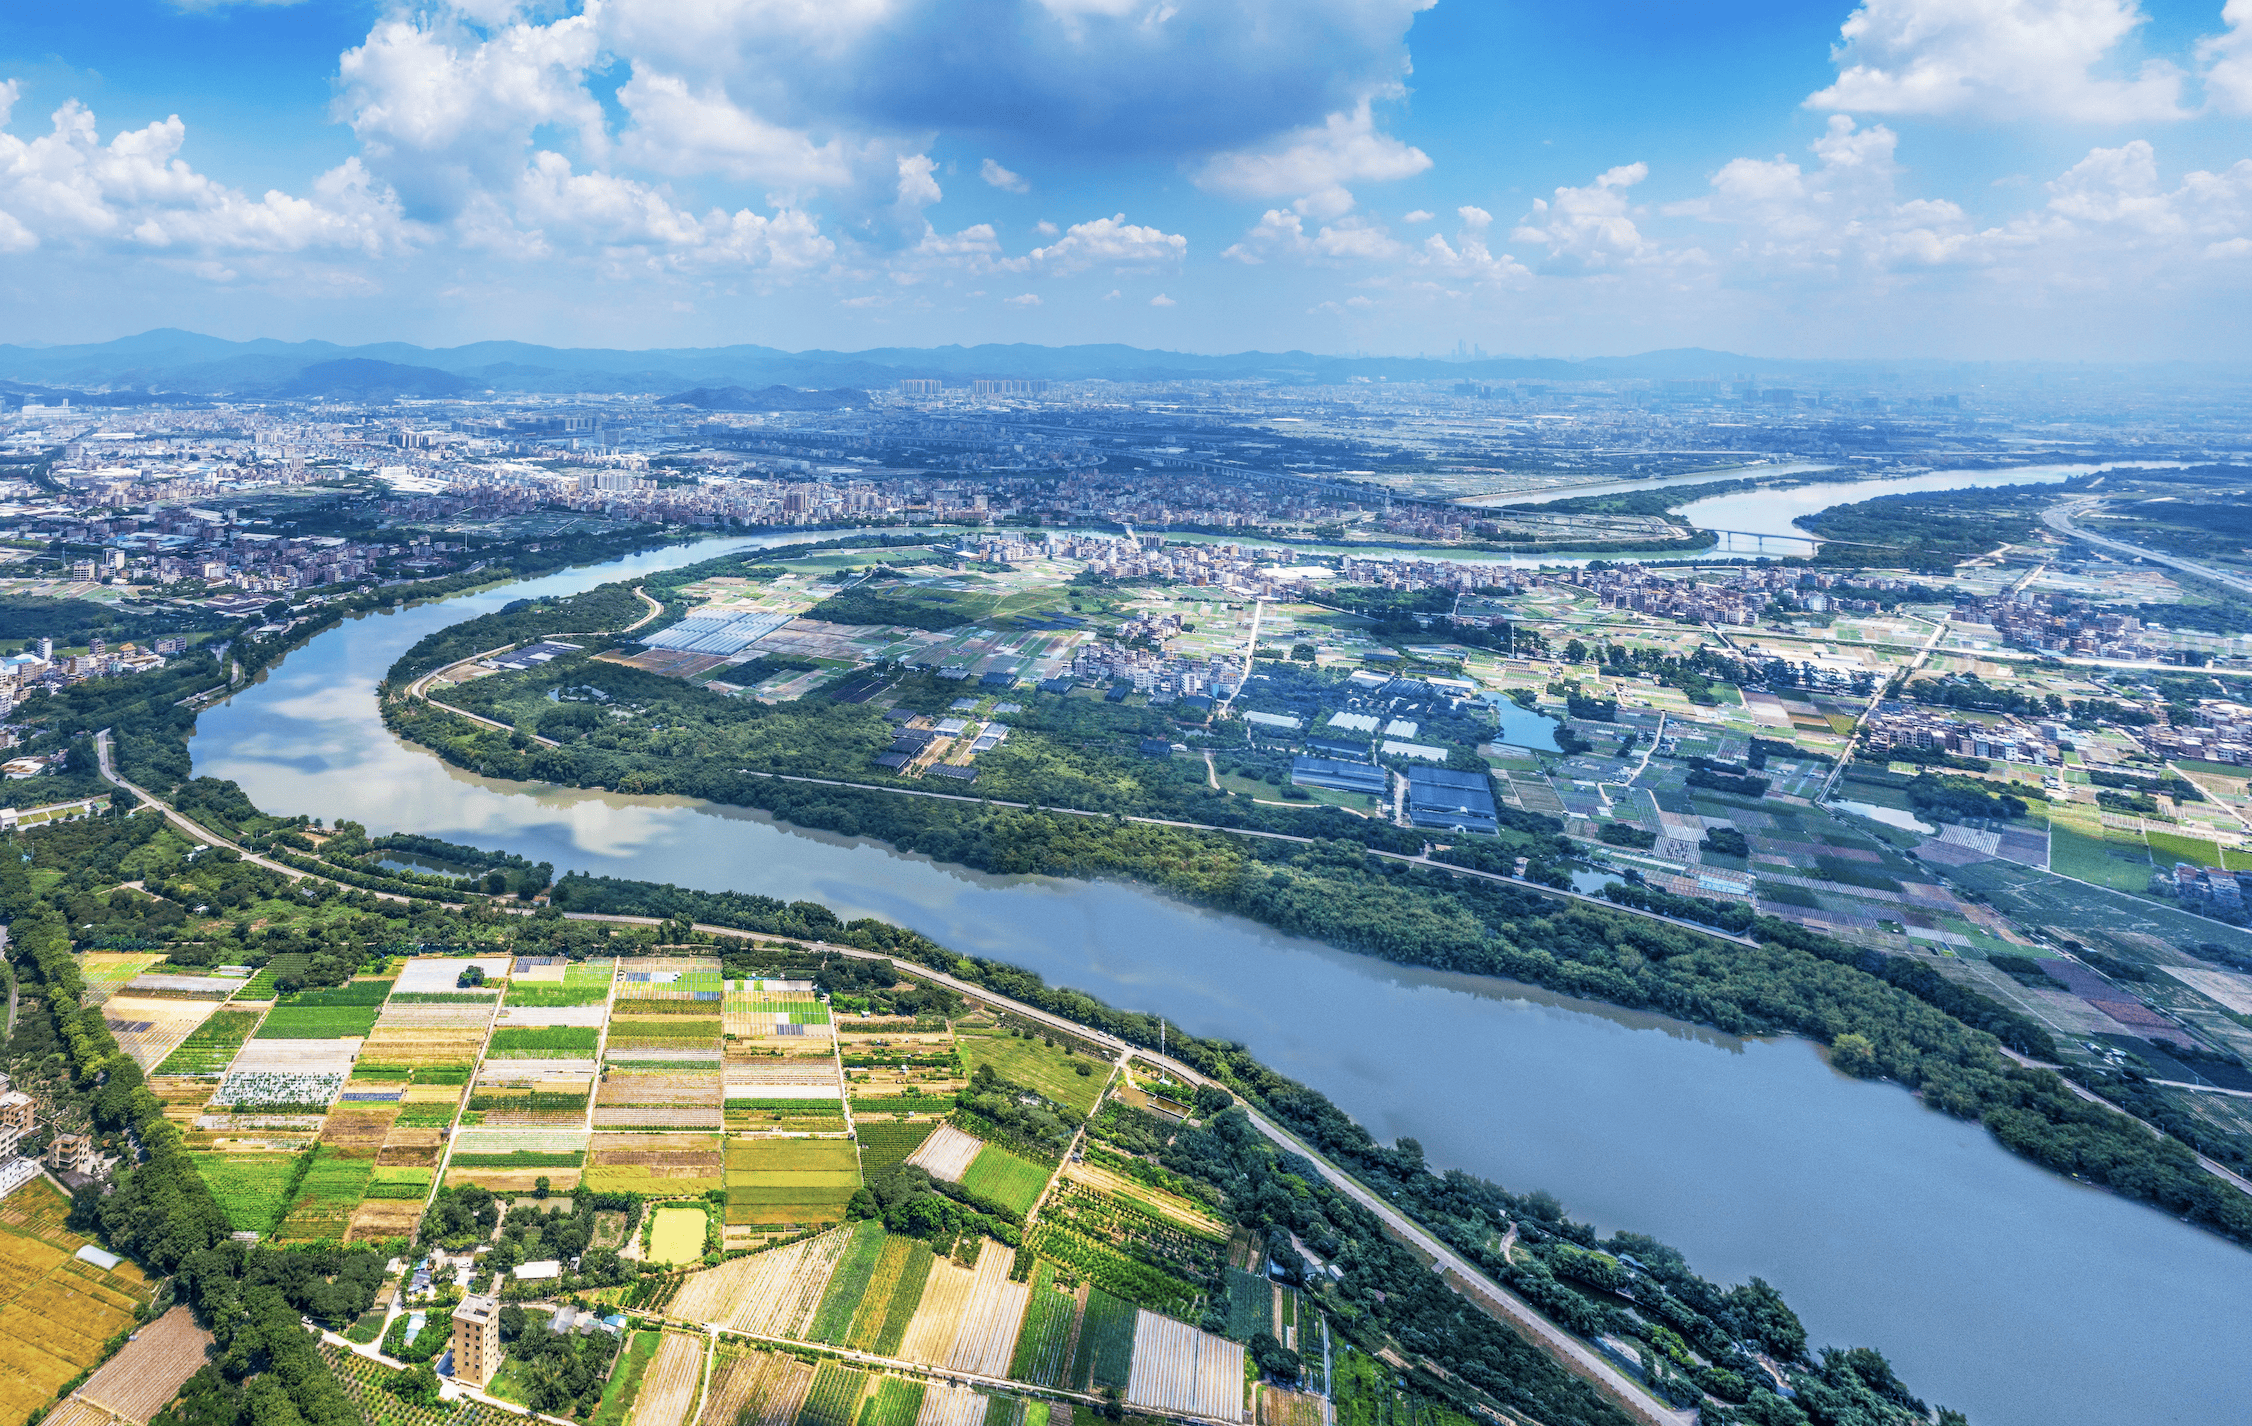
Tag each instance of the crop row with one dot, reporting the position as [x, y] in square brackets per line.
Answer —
[1112, 1271]
[1106, 1343]
[211, 1046]
[1047, 1330]
[847, 1285]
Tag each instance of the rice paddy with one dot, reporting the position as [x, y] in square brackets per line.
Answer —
[835, 1397]
[57, 1313]
[775, 1181]
[848, 1285]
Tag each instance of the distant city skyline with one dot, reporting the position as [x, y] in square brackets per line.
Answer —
[2006, 179]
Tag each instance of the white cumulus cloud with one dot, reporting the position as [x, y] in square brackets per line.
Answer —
[1998, 59]
[1000, 177]
[1112, 242]
[1584, 229]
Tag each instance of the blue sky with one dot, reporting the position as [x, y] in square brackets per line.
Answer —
[1943, 178]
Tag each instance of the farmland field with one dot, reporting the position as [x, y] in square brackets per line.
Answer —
[668, 1387]
[1111, 1270]
[1036, 1067]
[368, 1383]
[677, 1235]
[897, 1402]
[251, 1188]
[938, 1317]
[1180, 1369]
[147, 1027]
[884, 1145]
[549, 995]
[848, 1284]
[835, 1397]
[660, 1164]
[625, 1380]
[558, 1043]
[948, 1405]
[210, 1047]
[1251, 1304]
[318, 1022]
[56, 1312]
[752, 1388]
[770, 1294]
[994, 1308]
[1041, 1345]
[790, 1180]
[947, 1153]
[867, 1321]
[890, 1324]
[332, 1187]
[1006, 1179]
[1106, 1343]
[147, 1372]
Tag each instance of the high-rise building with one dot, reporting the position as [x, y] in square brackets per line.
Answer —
[477, 1340]
[921, 386]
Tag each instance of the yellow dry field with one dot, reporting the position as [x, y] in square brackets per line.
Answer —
[423, 1044]
[991, 1314]
[411, 1148]
[938, 1317]
[148, 1371]
[755, 1389]
[769, 1294]
[150, 1027]
[668, 1386]
[379, 1218]
[355, 1127]
[560, 1180]
[56, 1313]
[1289, 1408]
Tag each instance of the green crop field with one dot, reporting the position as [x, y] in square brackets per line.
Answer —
[832, 1320]
[748, 1156]
[1036, 1067]
[211, 1046]
[790, 1180]
[906, 1296]
[2122, 866]
[1047, 1330]
[1251, 1304]
[875, 1296]
[332, 1187]
[352, 992]
[887, 1145]
[1106, 1343]
[835, 1397]
[551, 1043]
[625, 1380]
[318, 1022]
[897, 1402]
[549, 995]
[1003, 1177]
[662, 1027]
[251, 1188]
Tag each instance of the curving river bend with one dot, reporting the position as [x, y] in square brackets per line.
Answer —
[1993, 1286]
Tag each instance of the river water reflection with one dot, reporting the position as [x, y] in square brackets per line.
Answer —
[1993, 1286]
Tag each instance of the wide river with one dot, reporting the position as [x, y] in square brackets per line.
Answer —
[1994, 1287]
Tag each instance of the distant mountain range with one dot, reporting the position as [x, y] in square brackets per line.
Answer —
[188, 363]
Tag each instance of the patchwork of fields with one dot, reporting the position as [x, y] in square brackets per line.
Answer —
[333, 1114]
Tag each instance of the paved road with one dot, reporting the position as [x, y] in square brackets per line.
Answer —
[2059, 519]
